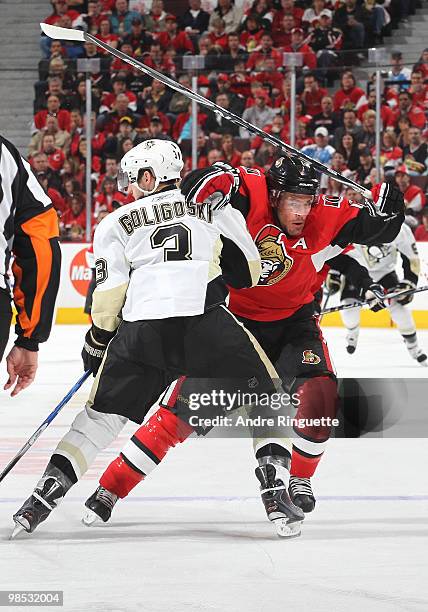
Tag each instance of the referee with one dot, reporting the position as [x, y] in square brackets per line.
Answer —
[29, 232]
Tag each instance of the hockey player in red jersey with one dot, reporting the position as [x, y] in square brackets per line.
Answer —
[295, 231]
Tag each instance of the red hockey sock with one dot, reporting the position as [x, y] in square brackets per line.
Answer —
[120, 478]
[301, 466]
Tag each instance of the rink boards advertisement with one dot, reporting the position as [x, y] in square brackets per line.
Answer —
[76, 275]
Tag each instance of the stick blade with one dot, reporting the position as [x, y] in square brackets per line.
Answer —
[58, 33]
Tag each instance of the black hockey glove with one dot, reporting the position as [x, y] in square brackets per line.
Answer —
[404, 285]
[375, 295]
[388, 199]
[333, 282]
[94, 348]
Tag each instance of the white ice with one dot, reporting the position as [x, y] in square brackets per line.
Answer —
[194, 536]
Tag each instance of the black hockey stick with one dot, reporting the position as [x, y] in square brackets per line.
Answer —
[58, 33]
[387, 296]
[48, 420]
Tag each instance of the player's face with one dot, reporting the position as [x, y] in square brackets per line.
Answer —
[292, 211]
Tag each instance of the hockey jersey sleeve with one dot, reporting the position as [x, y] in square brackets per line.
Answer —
[218, 186]
[356, 274]
[112, 272]
[406, 245]
[364, 226]
[35, 247]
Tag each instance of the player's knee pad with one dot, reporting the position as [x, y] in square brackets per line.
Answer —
[90, 432]
[403, 318]
[317, 406]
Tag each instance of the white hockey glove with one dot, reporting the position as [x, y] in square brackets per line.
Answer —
[375, 297]
[333, 282]
[404, 285]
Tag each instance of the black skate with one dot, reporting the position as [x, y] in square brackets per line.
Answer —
[301, 493]
[278, 505]
[100, 505]
[48, 493]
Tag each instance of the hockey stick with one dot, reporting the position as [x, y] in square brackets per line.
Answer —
[43, 426]
[58, 33]
[327, 298]
[387, 296]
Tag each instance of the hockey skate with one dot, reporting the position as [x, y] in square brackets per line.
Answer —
[100, 506]
[301, 493]
[48, 493]
[352, 340]
[417, 353]
[279, 508]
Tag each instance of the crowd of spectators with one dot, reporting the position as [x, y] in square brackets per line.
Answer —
[243, 48]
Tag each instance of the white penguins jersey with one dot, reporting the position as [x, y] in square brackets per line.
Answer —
[160, 257]
[382, 259]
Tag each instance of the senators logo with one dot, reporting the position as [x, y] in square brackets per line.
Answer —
[276, 262]
[310, 358]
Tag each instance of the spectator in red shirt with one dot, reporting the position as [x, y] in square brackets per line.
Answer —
[270, 76]
[229, 152]
[298, 45]
[108, 194]
[57, 199]
[218, 36]
[56, 157]
[106, 35]
[421, 232]
[257, 58]
[151, 110]
[248, 160]
[312, 94]
[251, 32]
[111, 170]
[172, 37]
[53, 108]
[119, 86]
[119, 65]
[287, 8]
[406, 108]
[108, 122]
[414, 197]
[74, 216]
[391, 156]
[349, 95]
[61, 8]
[418, 89]
[385, 110]
[282, 37]
[156, 59]
[278, 128]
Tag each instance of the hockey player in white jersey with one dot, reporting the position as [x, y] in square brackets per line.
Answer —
[381, 261]
[159, 316]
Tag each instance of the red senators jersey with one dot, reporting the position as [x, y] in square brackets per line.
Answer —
[290, 265]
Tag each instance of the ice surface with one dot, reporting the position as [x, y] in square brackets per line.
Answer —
[194, 536]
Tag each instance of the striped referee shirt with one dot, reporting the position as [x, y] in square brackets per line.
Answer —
[29, 231]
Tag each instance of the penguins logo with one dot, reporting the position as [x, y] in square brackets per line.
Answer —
[276, 262]
[310, 358]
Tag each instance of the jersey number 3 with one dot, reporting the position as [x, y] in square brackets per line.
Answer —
[175, 240]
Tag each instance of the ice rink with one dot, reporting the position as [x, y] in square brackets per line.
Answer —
[194, 536]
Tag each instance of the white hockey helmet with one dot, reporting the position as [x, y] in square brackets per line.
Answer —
[162, 157]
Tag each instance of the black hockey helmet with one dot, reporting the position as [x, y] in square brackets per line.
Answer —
[293, 175]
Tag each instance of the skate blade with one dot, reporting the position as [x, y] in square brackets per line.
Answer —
[90, 518]
[288, 530]
[19, 528]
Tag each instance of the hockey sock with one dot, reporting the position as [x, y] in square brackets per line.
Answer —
[317, 400]
[144, 451]
[273, 450]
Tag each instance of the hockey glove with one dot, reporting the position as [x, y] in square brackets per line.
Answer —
[333, 282]
[404, 285]
[388, 199]
[215, 186]
[94, 350]
[375, 296]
